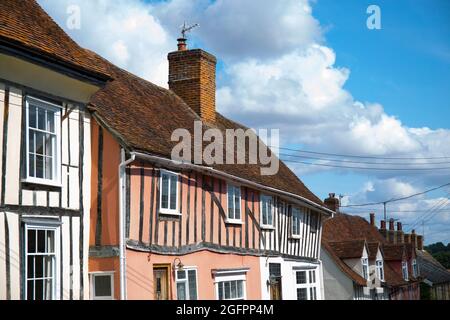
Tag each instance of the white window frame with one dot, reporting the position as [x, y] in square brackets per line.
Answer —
[405, 270]
[168, 211]
[365, 268]
[56, 181]
[301, 215]
[186, 281]
[228, 276]
[309, 285]
[415, 268]
[56, 228]
[271, 209]
[379, 265]
[234, 220]
[92, 285]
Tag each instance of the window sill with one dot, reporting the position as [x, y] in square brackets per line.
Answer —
[295, 237]
[42, 182]
[267, 227]
[170, 213]
[235, 222]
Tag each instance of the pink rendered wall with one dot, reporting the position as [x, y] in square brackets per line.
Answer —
[140, 273]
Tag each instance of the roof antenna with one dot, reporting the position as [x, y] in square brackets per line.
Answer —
[185, 29]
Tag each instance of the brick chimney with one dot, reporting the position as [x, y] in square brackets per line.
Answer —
[192, 76]
[332, 202]
[407, 238]
[414, 238]
[391, 233]
[372, 219]
[399, 233]
[419, 242]
[383, 230]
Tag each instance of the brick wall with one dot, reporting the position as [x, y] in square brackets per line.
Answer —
[192, 76]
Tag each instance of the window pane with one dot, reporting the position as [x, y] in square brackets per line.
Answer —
[221, 291]
[102, 286]
[49, 139]
[48, 168]
[227, 288]
[31, 245]
[41, 118]
[41, 241]
[50, 121]
[181, 275]
[39, 167]
[181, 291]
[240, 289]
[237, 204]
[173, 192]
[301, 277]
[30, 289]
[32, 117]
[48, 266]
[31, 135]
[302, 294]
[39, 266]
[233, 285]
[230, 203]
[264, 210]
[192, 276]
[270, 211]
[31, 160]
[48, 289]
[30, 267]
[165, 192]
[39, 289]
[40, 142]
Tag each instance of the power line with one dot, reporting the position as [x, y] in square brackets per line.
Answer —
[397, 199]
[362, 162]
[364, 168]
[359, 156]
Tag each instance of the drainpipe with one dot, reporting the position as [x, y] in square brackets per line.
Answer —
[122, 186]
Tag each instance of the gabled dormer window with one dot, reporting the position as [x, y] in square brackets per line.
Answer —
[405, 270]
[43, 126]
[380, 269]
[365, 268]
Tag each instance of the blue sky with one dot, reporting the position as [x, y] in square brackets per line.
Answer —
[312, 69]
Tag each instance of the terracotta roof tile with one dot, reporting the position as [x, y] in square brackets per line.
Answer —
[24, 24]
[348, 249]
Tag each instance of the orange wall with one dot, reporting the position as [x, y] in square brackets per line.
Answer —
[140, 273]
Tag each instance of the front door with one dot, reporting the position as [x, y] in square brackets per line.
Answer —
[161, 283]
[275, 281]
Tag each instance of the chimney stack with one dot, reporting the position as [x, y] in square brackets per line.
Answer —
[407, 238]
[372, 219]
[414, 238]
[383, 230]
[332, 202]
[399, 226]
[399, 233]
[391, 224]
[192, 76]
[420, 243]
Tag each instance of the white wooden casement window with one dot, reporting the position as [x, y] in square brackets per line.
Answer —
[42, 260]
[380, 269]
[365, 268]
[306, 284]
[43, 136]
[169, 193]
[405, 270]
[415, 268]
[186, 280]
[234, 204]
[267, 210]
[296, 223]
[231, 285]
[102, 285]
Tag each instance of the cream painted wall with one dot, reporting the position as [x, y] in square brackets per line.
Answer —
[337, 285]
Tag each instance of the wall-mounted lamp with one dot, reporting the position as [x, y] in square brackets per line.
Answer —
[179, 265]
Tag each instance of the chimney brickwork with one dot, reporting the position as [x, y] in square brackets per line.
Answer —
[192, 76]
[332, 202]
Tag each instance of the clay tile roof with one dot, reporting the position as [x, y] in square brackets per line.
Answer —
[431, 269]
[373, 249]
[348, 249]
[394, 251]
[357, 278]
[24, 25]
[144, 116]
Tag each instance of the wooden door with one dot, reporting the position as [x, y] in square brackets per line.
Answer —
[275, 289]
[161, 283]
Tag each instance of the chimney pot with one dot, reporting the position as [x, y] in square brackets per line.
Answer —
[372, 219]
[182, 46]
[383, 225]
[399, 226]
[391, 224]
